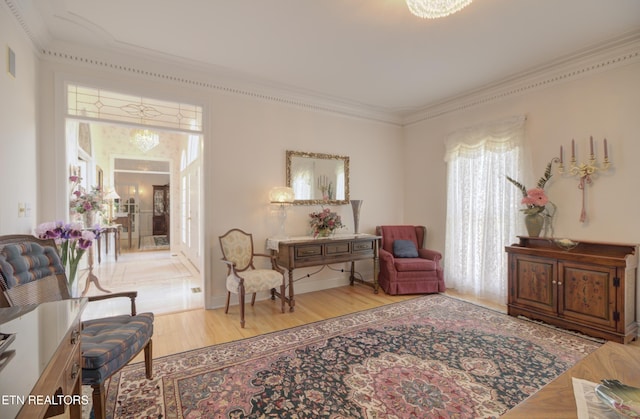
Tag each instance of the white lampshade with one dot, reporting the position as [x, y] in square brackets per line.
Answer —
[281, 195]
[112, 194]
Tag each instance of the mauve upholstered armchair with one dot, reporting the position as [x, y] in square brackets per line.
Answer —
[406, 267]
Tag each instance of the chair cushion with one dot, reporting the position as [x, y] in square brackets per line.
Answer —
[404, 249]
[255, 280]
[110, 343]
[414, 264]
[26, 262]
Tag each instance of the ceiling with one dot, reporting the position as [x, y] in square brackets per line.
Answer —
[368, 53]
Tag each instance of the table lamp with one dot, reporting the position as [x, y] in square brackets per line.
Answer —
[111, 196]
[283, 196]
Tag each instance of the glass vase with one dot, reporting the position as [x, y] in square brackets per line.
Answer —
[324, 232]
[356, 204]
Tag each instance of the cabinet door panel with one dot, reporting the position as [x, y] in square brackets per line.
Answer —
[534, 287]
[588, 293]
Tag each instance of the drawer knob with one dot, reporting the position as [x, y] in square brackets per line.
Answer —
[75, 370]
[74, 336]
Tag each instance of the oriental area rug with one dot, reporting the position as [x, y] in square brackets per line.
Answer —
[432, 356]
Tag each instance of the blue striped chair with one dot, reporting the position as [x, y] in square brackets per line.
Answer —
[31, 273]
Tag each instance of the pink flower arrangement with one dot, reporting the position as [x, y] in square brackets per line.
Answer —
[324, 223]
[535, 199]
[83, 202]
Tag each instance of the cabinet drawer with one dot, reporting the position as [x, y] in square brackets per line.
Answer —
[72, 371]
[362, 246]
[308, 251]
[338, 249]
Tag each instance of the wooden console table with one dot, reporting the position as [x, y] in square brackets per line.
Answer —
[116, 230]
[41, 369]
[301, 252]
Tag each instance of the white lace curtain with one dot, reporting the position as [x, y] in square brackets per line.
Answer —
[482, 207]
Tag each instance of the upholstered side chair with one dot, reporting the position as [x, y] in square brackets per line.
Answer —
[406, 267]
[31, 272]
[242, 275]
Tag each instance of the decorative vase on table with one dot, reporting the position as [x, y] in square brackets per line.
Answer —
[356, 204]
[90, 219]
[534, 224]
[324, 232]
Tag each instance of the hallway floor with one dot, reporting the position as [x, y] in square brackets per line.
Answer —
[166, 283]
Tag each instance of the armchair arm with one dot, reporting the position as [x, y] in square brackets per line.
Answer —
[129, 294]
[430, 254]
[232, 269]
[386, 262]
[274, 263]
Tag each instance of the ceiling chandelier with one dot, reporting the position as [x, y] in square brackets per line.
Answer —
[144, 139]
[432, 9]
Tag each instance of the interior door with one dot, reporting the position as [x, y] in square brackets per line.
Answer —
[160, 209]
[191, 214]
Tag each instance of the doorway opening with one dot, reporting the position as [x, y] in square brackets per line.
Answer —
[145, 183]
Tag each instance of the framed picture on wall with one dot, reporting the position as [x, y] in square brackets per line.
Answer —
[99, 178]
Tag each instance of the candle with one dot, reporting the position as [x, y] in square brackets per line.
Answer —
[561, 154]
[573, 149]
[606, 152]
[591, 143]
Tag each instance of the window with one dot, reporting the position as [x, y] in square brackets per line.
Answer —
[482, 206]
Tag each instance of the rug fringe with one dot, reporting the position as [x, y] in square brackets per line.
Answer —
[571, 332]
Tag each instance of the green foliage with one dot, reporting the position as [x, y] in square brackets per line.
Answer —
[541, 182]
[547, 175]
[518, 185]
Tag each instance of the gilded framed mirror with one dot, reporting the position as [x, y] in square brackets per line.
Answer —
[318, 178]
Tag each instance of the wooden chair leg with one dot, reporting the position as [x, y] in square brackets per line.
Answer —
[148, 360]
[226, 308]
[253, 299]
[98, 399]
[241, 301]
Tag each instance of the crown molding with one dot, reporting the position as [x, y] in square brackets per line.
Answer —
[602, 57]
[30, 22]
[202, 76]
[127, 60]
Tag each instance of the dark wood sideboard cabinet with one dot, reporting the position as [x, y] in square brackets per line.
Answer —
[590, 288]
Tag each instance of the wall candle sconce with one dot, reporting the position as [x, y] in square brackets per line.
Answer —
[584, 171]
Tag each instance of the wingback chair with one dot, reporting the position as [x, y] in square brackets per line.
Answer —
[242, 276]
[31, 272]
[406, 267]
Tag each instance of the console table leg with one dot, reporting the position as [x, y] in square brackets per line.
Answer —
[375, 275]
[292, 301]
[91, 278]
[352, 276]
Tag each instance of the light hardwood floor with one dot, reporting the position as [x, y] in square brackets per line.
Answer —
[178, 332]
[165, 284]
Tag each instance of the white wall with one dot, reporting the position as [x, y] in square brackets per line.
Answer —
[604, 104]
[18, 120]
[398, 173]
[245, 139]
